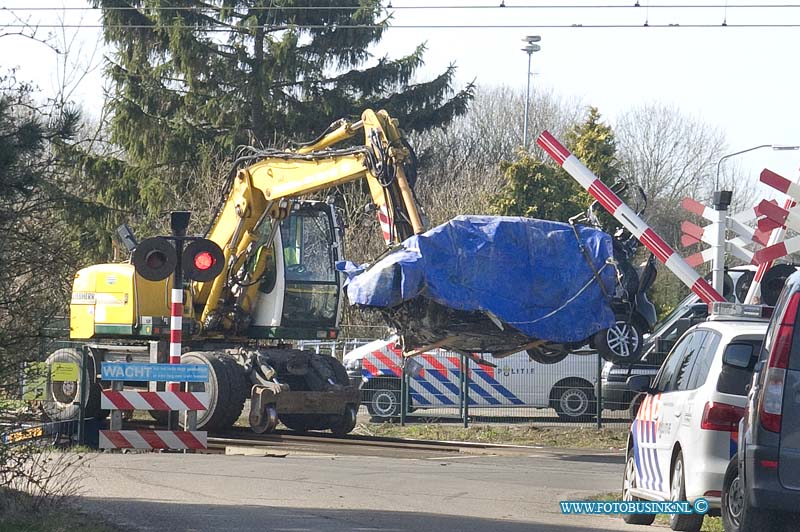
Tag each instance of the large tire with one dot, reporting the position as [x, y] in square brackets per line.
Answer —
[628, 483]
[620, 343]
[227, 387]
[732, 498]
[682, 522]
[59, 404]
[344, 424]
[573, 400]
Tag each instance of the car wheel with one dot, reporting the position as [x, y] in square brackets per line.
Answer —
[732, 498]
[629, 483]
[752, 518]
[384, 403]
[682, 522]
[620, 343]
[574, 401]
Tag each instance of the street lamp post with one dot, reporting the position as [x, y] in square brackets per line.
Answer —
[529, 48]
[776, 147]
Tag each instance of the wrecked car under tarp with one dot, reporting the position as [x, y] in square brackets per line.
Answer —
[493, 284]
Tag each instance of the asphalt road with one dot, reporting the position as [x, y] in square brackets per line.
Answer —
[432, 492]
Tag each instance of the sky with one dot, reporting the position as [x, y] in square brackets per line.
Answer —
[742, 80]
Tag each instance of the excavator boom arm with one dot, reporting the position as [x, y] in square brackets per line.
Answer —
[264, 190]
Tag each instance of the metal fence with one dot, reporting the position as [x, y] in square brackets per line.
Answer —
[446, 387]
[47, 404]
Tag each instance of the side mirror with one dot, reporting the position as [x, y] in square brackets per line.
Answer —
[738, 355]
[639, 383]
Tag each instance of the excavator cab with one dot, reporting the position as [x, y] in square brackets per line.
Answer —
[299, 293]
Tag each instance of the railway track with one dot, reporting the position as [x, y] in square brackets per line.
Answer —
[322, 443]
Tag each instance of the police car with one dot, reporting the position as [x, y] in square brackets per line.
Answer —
[567, 385]
[685, 431]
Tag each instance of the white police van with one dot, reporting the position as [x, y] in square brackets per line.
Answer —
[567, 386]
[685, 431]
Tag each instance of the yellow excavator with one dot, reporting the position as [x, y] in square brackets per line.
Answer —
[278, 284]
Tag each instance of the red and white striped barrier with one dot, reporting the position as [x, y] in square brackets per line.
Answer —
[790, 217]
[161, 401]
[153, 439]
[777, 235]
[386, 225]
[694, 234]
[765, 257]
[628, 218]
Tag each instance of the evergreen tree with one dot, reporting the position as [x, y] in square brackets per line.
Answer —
[189, 73]
[38, 253]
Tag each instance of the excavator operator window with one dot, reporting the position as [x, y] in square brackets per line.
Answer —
[312, 291]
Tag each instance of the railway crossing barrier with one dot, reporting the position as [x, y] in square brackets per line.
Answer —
[118, 400]
[628, 218]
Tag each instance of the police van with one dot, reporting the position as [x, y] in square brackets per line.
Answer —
[568, 386]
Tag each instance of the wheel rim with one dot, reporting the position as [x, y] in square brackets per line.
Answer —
[735, 501]
[622, 339]
[65, 392]
[677, 480]
[574, 402]
[384, 402]
[629, 480]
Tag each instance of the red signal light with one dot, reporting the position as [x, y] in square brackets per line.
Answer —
[203, 261]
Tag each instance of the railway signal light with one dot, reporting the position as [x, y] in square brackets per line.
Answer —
[202, 260]
[155, 258]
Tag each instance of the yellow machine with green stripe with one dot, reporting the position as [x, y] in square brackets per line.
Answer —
[278, 282]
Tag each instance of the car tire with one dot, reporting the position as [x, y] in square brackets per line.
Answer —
[383, 403]
[620, 343]
[732, 498]
[682, 522]
[574, 400]
[628, 483]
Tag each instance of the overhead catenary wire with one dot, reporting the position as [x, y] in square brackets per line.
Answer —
[268, 27]
[390, 6]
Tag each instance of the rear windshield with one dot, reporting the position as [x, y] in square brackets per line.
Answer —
[734, 380]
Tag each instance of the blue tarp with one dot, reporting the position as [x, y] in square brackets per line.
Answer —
[529, 273]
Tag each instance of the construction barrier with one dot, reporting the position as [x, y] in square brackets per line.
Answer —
[117, 400]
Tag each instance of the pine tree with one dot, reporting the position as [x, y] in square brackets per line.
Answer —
[221, 73]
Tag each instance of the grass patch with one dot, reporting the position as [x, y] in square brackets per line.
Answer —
[613, 439]
[20, 514]
[64, 520]
[710, 524]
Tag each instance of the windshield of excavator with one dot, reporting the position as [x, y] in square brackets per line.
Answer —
[309, 256]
